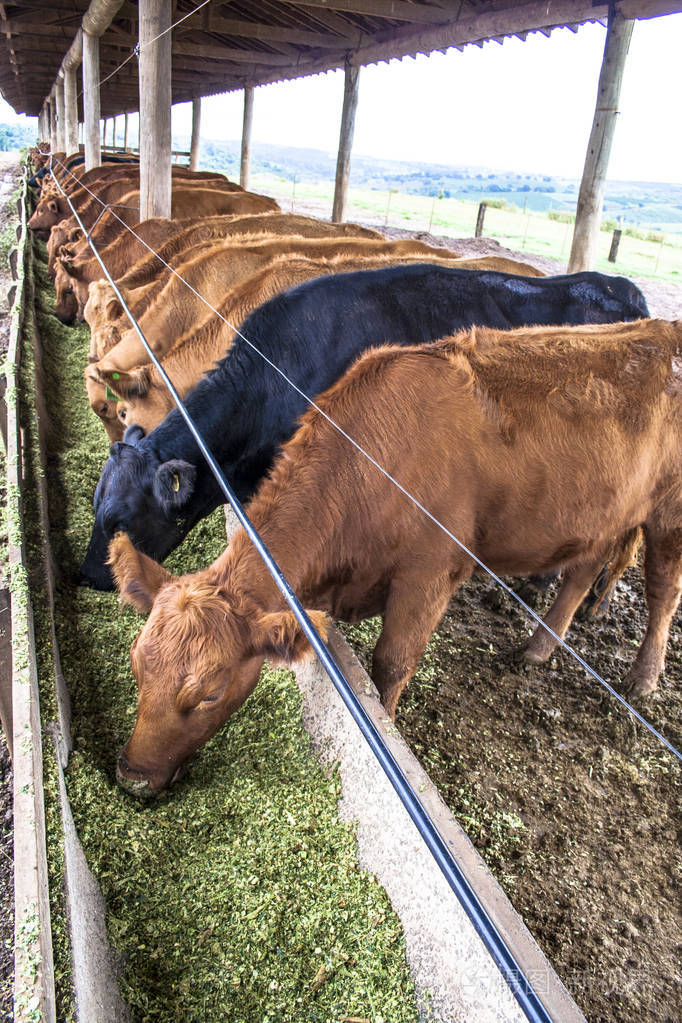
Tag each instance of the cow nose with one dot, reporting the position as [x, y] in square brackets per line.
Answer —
[130, 781]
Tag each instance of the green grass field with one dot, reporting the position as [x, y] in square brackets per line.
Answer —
[530, 232]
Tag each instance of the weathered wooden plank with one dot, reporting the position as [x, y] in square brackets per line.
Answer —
[591, 194]
[350, 103]
[155, 108]
[196, 134]
[91, 101]
[245, 166]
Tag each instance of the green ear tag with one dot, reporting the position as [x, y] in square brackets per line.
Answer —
[176, 482]
[115, 376]
[111, 396]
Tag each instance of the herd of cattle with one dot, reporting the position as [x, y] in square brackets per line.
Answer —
[543, 449]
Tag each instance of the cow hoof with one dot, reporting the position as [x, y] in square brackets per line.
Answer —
[638, 688]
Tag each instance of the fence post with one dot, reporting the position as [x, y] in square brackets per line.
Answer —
[479, 219]
[615, 242]
[433, 207]
[388, 205]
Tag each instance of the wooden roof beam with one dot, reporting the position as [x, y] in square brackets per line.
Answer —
[230, 53]
[267, 33]
[395, 10]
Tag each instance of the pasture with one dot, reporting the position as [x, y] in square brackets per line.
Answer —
[656, 256]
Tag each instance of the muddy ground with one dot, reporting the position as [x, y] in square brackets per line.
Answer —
[575, 808]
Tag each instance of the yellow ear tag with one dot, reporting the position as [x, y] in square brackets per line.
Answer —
[176, 482]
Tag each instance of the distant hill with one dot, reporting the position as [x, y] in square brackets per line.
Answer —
[15, 136]
[647, 204]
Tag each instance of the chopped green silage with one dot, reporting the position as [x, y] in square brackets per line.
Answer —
[236, 895]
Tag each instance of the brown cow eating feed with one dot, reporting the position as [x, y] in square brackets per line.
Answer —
[539, 448]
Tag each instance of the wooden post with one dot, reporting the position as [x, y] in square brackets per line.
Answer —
[53, 125]
[125, 131]
[155, 108]
[350, 103]
[591, 194]
[71, 110]
[91, 105]
[245, 167]
[615, 242]
[480, 218]
[196, 134]
[59, 96]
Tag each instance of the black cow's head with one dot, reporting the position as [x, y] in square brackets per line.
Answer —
[139, 495]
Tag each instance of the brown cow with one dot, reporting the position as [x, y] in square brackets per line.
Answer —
[132, 264]
[147, 399]
[165, 313]
[89, 200]
[537, 448]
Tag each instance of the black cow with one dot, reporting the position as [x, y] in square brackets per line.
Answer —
[156, 487]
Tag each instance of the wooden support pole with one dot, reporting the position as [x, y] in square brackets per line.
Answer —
[91, 104]
[53, 125]
[591, 194]
[350, 103]
[59, 97]
[247, 123]
[155, 108]
[125, 131]
[196, 134]
[71, 110]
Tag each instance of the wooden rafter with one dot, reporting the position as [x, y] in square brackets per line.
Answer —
[224, 45]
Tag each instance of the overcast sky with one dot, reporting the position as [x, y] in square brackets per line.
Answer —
[520, 106]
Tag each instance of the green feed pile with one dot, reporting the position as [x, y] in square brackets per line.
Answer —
[237, 895]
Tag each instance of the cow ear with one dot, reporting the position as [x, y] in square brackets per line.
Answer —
[128, 385]
[173, 483]
[133, 435]
[114, 309]
[280, 637]
[138, 578]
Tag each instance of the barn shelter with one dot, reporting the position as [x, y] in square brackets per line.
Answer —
[146, 56]
[216, 47]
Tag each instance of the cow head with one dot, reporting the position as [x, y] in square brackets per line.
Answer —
[145, 400]
[196, 660]
[103, 312]
[142, 496]
[48, 213]
[103, 405]
[66, 303]
[63, 234]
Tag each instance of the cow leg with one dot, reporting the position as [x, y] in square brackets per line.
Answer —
[574, 588]
[663, 584]
[412, 612]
